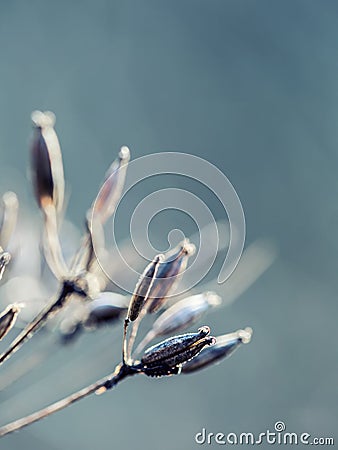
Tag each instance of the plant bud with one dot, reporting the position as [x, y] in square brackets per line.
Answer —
[8, 319]
[224, 347]
[162, 358]
[46, 162]
[168, 275]
[143, 288]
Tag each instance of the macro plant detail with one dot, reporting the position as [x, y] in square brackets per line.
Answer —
[83, 278]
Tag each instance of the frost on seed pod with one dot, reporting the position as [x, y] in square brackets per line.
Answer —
[46, 161]
[225, 346]
[181, 315]
[143, 288]
[167, 357]
[168, 275]
[112, 187]
[8, 319]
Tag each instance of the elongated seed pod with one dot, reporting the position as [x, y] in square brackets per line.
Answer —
[166, 357]
[111, 190]
[143, 288]
[8, 319]
[224, 347]
[46, 162]
[168, 275]
[107, 308]
[181, 315]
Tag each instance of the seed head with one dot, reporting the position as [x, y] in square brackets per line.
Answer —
[46, 162]
[143, 288]
[168, 274]
[224, 347]
[107, 308]
[162, 358]
[111, 190]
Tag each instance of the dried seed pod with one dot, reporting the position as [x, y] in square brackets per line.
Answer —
[143, 288]
[174, 351]
[46, 161]
[107, 308]
[224, 347]
[8, 319]
[168, 275]
[181, 315]
[111, 190]
[5, 257]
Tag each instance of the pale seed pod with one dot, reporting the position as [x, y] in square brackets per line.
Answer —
[224, 347]
[181, 315]
[7, 319]
[46, 162]
[111, 190]
[107, 308]
[168, 275]
[143, 288]
[5, 257]
[161, 358]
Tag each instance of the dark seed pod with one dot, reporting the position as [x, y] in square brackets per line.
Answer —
[224, 347]
[168, 275]
[8, 319]
[143, 288]
[172, 352]
[46, 162]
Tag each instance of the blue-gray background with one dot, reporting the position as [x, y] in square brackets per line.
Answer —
[252, 86]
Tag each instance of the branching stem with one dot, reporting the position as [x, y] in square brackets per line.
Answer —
[122, 371]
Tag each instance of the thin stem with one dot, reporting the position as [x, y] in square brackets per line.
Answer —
[100, 386]
[134, 331]
[124, 341]
[51, 244]
[38, 322]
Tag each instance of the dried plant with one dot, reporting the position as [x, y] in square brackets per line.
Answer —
[84, 278]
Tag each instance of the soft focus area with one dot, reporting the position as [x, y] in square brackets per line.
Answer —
[251, 87]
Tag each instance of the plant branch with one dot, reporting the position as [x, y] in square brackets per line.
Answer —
[100, 386]
[38, 322]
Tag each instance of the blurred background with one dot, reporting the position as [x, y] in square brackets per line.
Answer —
[253, 88]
